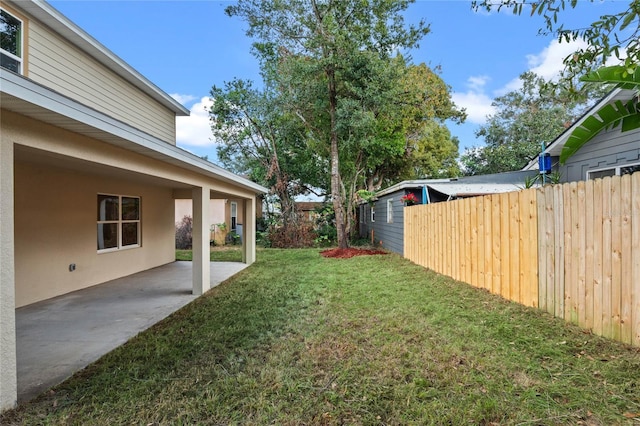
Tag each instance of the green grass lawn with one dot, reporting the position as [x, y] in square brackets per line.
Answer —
[299, 339]
[218, 254]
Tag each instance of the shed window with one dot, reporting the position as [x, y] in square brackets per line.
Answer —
[10, 42]
[118, 222]
[390, 211]
[626, 169]
[373, 214]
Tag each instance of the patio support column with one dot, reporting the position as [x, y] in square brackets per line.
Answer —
[201, 235]
[8, 367]
[249, 237]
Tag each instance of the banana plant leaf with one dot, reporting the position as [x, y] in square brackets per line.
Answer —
[607, 117]
[618, 75]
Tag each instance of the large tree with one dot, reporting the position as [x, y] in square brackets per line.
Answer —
[427, 104]
[525, 118]
[260, 138]
[336, 61]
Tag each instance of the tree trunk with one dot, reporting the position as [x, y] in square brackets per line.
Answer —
[336, 183]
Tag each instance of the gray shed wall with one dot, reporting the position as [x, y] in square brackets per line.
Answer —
[608, 149]
[391, 234]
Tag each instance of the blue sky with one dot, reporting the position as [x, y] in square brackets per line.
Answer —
[187, 46]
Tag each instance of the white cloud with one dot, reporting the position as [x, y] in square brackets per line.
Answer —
[477, 83]
[183, 99]
[195, 130]
[476, 103]
[547, 64]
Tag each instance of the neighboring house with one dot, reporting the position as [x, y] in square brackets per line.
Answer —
[308, 210]
[382, 220]
[221, 211]
[89, 171]
[612, 152]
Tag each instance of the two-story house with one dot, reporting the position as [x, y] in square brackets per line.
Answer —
[89, 171]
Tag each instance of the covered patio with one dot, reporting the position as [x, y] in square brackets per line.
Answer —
[87, 199]
[62, 335]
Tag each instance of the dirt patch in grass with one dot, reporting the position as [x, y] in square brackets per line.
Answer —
[347, 253]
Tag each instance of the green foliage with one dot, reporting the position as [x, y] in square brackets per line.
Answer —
[608, 117]
[626, 115]
[325, 226]
[524, 118]
[616, 35]
[337, 68]
[552, 178]
[367, 196]
[623, 76]
[260, 137]
[233, 238]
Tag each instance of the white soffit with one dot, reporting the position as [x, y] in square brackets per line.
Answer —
[33, 100]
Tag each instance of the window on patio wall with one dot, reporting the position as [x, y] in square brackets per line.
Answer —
[118, 222]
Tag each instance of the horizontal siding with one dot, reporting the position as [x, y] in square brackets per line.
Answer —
[608, 149]
[56, 64]
[390, 235]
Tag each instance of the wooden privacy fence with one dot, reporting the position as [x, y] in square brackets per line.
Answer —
[572, 250]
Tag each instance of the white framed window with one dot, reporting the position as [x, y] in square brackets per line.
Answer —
[11, 39]
[390, 210]
[234, 216]
[118, 222]
[625, 169]
[373, 213]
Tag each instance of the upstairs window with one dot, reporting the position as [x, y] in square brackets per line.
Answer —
[10, 42]
[118, 222]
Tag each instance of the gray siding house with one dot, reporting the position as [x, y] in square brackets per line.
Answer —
[382, 220]
[610, 153]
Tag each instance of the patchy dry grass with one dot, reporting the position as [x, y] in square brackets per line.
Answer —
[301, 339]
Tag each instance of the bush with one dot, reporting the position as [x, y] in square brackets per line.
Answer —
[295, 235]
[326, 232]
[184, 233]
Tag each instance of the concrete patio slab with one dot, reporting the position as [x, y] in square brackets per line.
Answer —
[59, 336]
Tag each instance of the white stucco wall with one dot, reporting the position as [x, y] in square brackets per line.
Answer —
[55, 226]
[8, 381]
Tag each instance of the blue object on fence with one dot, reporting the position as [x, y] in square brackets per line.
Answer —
[544, 163]
[425, 195]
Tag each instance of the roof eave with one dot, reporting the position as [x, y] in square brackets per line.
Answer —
[51, 17]
[30, 93]
[555, 147]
